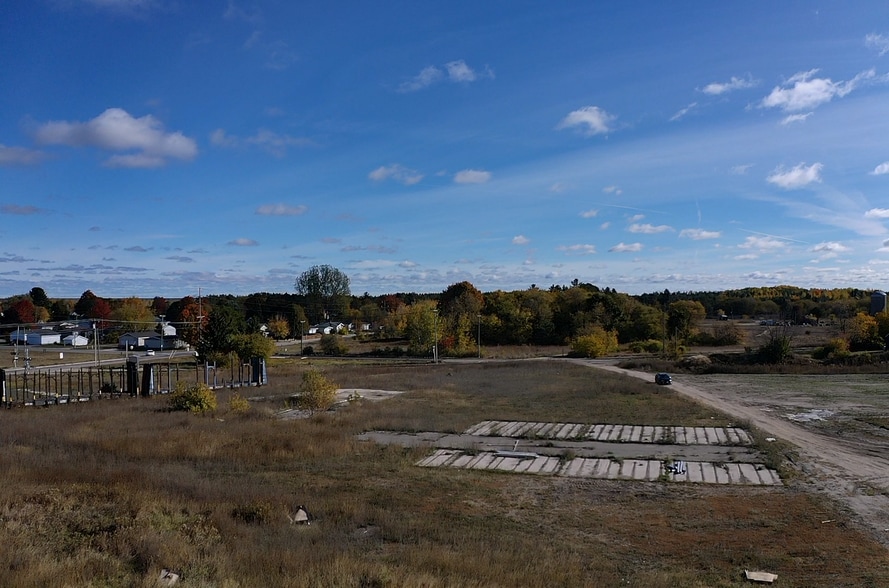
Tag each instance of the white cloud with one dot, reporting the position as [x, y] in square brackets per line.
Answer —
[878, 42]
[595, 120]
[636, 218]
[805, 92]
[116, 130]
[276, 143]
[717, 88]
[396, 172]
[797, 177]
[591, 213]
[557, 187]
[520, 240]
[763, 243]
[281, 210]
[243, 242]
[740, 170]
[877, 213]
[219, 138]
[578, 248]
[605, 225]
[612, 190]
[626, 248]
[881, 169]
[830, 249]
[458, 71]
[792, 118]
[683, 111]
[699, 234]
[648, 229]
[472, 176]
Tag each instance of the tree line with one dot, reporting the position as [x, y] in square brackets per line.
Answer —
[591, 319]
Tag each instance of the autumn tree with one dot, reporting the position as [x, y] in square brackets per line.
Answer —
[864, 332]
[279, 327]
[134, 314]
[683, 317]
[39, 297]
[23, 311]
[461, 306]
[190, 317]
[594, 342]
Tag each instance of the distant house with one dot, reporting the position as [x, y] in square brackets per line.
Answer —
[331, 327]
[75, 340]
[36, 337]
[150, 339]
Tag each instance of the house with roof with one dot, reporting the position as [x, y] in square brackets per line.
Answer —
[75, 340]
[36, 337]
[328, 328]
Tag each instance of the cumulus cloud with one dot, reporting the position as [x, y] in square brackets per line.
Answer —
[10, 156]
[796, 177]
[740, 170]
[281, 210]
[591, 213]
[626, 247]
[116, 130]
[699, 234]
[591, 119]
[878, 42]
[829, 249]
[648, 229]
[717, 88]
[396, 172]
[877, 213]
[881, 169]
[243, 242]
[472, 176]
[803, 91]
[612, 190]
[520, 240]
[578, 248]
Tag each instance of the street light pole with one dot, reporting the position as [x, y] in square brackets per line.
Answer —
[435, 340]
[302, 332]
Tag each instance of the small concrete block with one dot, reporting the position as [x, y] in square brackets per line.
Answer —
[507, 464]
[626, 468]
[721, 474]
[551, 466]
[537, 464]
[573, 467]
[588, 469]
[708, 473]
[508, 429]
[734, 473]
[640, 469]
[563, 430]
[480, 429]
[545, 430]
[647, 435]
[614, 435]
[601, 466]
[462, 461]
[606, 431]
[613, 470]
[732, 434]
[576, 431]
[523, 430]
[745, 437]
[694, 472]
[657, 435]
[748, 471]
[483, 461]
[681, 437]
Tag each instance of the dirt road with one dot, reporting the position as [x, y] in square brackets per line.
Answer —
[845, 471]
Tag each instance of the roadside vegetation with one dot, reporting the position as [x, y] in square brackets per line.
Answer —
[110, 493]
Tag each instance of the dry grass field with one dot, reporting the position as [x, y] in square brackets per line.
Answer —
[109, 493]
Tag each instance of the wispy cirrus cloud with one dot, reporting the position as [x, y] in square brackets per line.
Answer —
[648, 228]
[21, 209]
[281, 210]
[699, 234]
[579, 248]
[798, 176]
[803, 91]
[243, 242]
[396, 172]
[12, 156]
[877, 41]
[457, 71]
[735, 83]
[145, 142]
[592, 120]
[877, 213]
[472, 176]
[271, 142]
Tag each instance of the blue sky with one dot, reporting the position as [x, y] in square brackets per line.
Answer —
[159, 147]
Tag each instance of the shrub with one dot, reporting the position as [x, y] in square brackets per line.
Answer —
[332, 345]
[198, 399]
[836, 348]
[238, 404]
[316, 392]
[649, 346]
[598, 342]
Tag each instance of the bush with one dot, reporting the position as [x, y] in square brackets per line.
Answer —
[332, 345]
[198, 399]
[837, 348]
[598, 342]
[649, 346]
[238, 404]
[316, 392]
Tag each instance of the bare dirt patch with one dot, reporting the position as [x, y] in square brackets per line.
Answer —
[841, 452]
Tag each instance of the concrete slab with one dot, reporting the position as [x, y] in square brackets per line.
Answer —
[462, 461]
[596, 431]
[615, 433]
[734, 473]
[721, 436]
[562, 431]
[694, 472]
[681, 437]
[601, 467]
[708, 473]
[509, 429]
[658, 435]
[748, 470]
[606, 431]
[640, 469]
[721, 474]
[537, 464]
[482, 462]
[551, 466]
[573, 467]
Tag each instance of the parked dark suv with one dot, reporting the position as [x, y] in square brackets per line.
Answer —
[663, 379]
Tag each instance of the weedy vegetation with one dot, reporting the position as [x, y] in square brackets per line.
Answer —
[109, 493]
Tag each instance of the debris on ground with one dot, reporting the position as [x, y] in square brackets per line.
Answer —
[764, 577]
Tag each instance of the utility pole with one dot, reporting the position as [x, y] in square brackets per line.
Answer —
[479, 338]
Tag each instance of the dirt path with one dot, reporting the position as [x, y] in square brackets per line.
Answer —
[833, 467]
